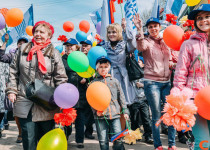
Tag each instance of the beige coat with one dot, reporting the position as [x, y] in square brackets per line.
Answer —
[19, 76]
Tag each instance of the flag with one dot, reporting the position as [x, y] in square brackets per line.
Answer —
[130, 10]
[173, 7]
[96, 16]
[155, 10]
[107, 16]
[19, 31]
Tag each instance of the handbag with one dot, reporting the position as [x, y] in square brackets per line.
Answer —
[40, 93]
[134, 70]
[8, 105]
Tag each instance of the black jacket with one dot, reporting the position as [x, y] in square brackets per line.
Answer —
[75, 79]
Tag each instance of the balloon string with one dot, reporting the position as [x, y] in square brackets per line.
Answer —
[106, 120]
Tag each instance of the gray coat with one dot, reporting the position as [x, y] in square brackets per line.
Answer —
[118, 66]
[19, 76]
[4, 73]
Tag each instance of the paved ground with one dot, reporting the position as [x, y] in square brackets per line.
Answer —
[8, 142]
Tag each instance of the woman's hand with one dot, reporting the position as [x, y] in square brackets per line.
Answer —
[12, 97]
[137, 22]
[83, 81]
[123, 24]
[126, 116]
[100, 113]
[6, 37]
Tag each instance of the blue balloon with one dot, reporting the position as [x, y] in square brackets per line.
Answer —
[59, 48]
[81, 36]
[94, 53]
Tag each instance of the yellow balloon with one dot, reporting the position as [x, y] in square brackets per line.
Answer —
[53, 140]
[94, 43]
[192, 2]
[87, 74]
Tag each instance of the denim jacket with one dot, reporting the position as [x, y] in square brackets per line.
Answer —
[117, 99]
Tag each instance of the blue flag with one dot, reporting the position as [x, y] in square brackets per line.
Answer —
[173, 7]
[20, 31]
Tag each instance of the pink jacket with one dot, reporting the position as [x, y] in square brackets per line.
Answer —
[190, 50]
[156, 56]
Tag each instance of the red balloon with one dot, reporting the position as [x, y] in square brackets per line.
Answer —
[173, 37]
[68, 26]
[84, 26]
[202, 101]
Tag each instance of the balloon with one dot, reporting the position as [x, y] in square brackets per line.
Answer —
[98, 27]
[192, 2]
[14, 17]
[53, 140]
[87, 74]
[98, 95]
[78, 61]
[94, 43]
[202, 101]
[29, 30]
[84, 26]
[4, 11]
[68, 26]
[172, 36]
[59, 48]
[2, 22]
[81, 36]
[94, 53]
[66, 95]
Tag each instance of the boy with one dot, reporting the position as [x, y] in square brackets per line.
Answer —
[112, 113]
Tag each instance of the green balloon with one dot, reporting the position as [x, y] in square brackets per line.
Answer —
[78, 61]
[53, 140]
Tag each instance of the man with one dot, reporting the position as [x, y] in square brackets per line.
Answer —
[7, 58]
[86, 46]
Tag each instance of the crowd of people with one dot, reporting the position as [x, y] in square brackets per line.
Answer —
[130, 100]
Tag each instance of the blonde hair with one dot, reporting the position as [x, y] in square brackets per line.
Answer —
[117, 28]
[46, 27]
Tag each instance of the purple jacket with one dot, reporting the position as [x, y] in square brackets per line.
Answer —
[6, 58]
[188, 64]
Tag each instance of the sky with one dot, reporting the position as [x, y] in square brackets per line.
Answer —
[56, 12]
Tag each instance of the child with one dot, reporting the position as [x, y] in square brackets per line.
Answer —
[112, 113]
[189, 71]
[140, 108]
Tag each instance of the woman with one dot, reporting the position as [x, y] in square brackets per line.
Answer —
[115, 48]
[189, 72]
[156, 73]
[35, 121]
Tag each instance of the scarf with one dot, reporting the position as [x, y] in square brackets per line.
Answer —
[37, 48]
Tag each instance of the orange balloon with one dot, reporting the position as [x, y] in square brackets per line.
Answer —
[68, 26]
[98, 95]
[4, 11]
[173, 37]
[29, 30]
[14, 17]
[84, 26]
[202, 101]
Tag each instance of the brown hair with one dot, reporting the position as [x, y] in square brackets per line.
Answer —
[195, 21]
[117, 28]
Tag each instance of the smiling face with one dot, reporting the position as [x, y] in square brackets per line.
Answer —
[203, 21]
[41, 34]
[154, 29]
[112, 34]
[70, 48]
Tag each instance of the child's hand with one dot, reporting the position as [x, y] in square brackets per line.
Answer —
[83, 81]
[100, 113]
[126, 116]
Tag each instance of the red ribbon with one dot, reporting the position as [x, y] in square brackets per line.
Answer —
[37, 48]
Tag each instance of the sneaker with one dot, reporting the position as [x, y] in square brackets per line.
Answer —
[159, 148]
[80, 145]
[19, 139]
[89, 136]
[149, 140]
[172, 148]
[6, 126]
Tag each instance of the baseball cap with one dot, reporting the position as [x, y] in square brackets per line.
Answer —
[71, 41]
[103, 58]
[152, 19]
[203, 7]
[86, 42]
